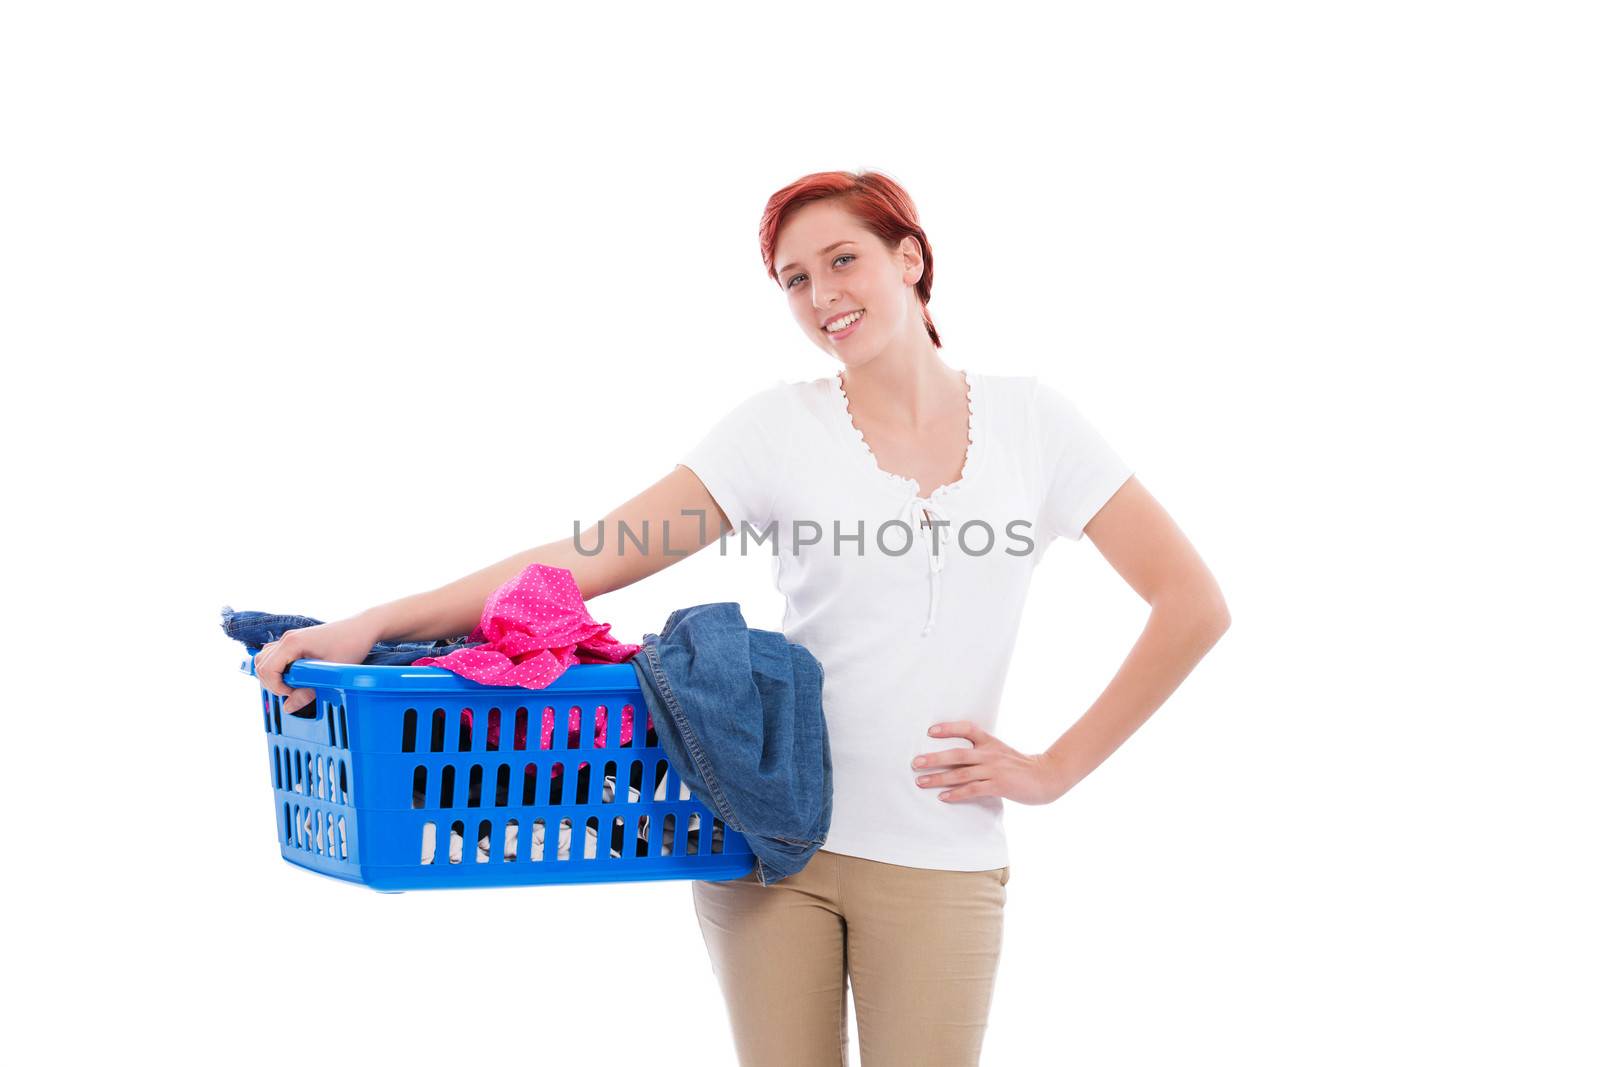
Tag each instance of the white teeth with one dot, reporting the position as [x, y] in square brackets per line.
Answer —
[835, 327]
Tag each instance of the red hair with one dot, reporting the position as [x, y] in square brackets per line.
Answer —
[875, 199]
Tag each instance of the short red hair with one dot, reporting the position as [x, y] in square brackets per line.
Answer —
[875, 199]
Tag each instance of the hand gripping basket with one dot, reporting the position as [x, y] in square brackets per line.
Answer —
[415, 778]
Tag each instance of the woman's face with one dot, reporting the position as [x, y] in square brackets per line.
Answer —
[830, 266]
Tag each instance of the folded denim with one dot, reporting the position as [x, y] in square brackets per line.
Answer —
[738, 713]
[256, 628]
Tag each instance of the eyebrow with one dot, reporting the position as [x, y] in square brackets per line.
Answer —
[824, 252]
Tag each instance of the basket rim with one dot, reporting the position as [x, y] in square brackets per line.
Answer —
[315, 673]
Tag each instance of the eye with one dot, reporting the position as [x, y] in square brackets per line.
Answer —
[836, 259]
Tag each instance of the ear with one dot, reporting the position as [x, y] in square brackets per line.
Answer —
[909, 254]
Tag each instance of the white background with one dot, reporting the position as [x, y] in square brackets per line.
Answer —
[311, 306]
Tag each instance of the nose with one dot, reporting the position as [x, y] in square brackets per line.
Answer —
[821, 300]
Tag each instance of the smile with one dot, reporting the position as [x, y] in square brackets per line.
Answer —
[841, 327]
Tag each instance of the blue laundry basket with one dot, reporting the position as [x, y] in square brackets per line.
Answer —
[391, 779]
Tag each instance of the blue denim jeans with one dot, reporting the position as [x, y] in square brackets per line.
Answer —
[256, 628]
[739, 714]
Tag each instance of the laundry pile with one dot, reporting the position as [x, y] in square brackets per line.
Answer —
[533, 628]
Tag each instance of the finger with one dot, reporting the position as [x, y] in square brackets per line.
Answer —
[966, 792]
[949, 757]
[973, 732]
[269, 669]
[298, 699]
[262, 659]
[958, 776]
[962, 728]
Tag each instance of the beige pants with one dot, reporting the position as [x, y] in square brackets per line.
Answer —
[919, 948]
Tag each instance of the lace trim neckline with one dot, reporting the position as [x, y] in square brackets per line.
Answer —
[864, 450]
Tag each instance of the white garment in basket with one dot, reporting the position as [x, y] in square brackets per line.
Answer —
[563, 846]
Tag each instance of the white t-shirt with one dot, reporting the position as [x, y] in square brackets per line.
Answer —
[906, 637]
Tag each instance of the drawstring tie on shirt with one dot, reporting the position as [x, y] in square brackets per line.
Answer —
[921, 515]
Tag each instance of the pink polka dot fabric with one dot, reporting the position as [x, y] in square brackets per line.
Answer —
[534, 627]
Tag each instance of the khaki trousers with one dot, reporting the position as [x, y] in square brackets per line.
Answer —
[918, 947]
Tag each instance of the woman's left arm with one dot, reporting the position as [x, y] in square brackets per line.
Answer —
[1187, 617]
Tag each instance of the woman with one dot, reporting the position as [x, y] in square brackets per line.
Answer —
[906, 504]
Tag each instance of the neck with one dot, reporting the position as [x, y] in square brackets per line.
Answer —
[906, 385]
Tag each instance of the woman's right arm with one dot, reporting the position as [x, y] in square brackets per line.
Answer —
[452, 610]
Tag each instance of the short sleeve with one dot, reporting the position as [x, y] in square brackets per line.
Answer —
[741, 458]
[1079, 468]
